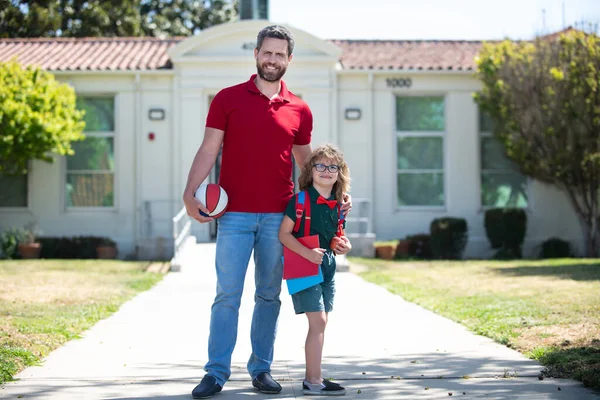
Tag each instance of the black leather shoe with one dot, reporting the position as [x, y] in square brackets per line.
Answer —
[207, 387]
[266, 384]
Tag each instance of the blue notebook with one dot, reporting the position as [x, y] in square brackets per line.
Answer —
[298, 284]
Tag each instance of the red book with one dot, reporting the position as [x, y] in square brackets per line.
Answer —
[296, 266]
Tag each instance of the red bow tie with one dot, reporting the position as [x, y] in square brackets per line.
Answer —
[330, 203]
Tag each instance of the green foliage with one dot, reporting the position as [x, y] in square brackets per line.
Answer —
[13, 359]
[577, 363]
[184, 17]
[555, 248]
[544, 101]
[79, 247]
[420, 245]
[97, 18]
[9, 241]
[505, 229]
[70, 18]
[448, 238]
[37, 117]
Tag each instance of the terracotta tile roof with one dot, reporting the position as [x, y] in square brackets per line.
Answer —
[128, 54]
[90, 54]
[408, 55]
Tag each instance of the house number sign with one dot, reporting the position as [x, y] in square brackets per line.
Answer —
[398, 82]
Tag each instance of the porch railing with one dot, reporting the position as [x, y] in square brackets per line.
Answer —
[182, 226]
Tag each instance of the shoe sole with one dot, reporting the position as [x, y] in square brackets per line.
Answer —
[323, 393]
[268, 391]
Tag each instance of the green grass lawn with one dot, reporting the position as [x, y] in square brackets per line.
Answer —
[546, 309]
[45, 303]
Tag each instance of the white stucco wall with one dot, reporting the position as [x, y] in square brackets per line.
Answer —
[144, 169]
[156, 171]
[370, 148]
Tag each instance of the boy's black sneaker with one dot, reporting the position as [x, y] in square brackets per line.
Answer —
[326, 388]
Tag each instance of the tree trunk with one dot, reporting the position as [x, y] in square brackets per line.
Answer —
[590, 236]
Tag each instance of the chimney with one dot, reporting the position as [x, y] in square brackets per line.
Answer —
[254, 9]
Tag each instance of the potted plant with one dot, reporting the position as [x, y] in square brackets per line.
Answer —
[106, 249]
[385, 250]
[28, 247]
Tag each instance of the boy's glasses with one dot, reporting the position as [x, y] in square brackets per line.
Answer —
[331, 168]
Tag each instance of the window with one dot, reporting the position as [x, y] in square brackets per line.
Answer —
[420, 126]
[14, 191]
[91, 170]
[502, 185]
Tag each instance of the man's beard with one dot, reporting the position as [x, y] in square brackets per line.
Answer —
[270, 75]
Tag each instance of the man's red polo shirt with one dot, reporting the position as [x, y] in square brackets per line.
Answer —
[256, 163]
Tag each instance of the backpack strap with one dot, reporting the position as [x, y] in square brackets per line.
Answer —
[341, 217]
[301, 204]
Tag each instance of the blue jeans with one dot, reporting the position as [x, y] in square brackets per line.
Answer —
[238, 234]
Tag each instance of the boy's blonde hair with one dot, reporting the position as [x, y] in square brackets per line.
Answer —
[333, 154]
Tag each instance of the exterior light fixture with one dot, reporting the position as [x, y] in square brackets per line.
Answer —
[352, 114]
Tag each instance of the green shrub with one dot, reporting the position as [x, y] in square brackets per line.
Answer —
[448, 237]
[79, 247]
[505, 229]
[9, 241]
[555, 248]
[420, 246]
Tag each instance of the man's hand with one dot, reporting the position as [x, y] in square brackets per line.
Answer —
[193, 207]
[346, 204]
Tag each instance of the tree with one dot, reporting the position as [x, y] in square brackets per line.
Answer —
[184, 17]
[70, 18]
[544, 99]
[102, 18]
[38, 116]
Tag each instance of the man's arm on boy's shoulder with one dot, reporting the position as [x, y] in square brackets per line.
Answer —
[301, 153]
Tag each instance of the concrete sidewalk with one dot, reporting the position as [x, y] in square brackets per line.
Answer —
[377, 345]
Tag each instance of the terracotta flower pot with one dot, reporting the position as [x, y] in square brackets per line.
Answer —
[385, 252]
[30, 250]
[106, 252]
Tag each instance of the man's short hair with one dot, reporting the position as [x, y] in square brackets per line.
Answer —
[276, 32]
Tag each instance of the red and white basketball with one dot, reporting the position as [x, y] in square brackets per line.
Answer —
[214, 199]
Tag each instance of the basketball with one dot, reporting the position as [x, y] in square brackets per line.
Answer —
[214, 199]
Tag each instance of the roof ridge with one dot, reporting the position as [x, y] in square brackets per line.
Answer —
[408, 40]
[94, 39]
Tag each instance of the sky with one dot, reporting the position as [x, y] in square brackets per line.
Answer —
[433, 19]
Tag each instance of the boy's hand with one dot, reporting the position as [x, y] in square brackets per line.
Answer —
[315, 255]
[342, 245]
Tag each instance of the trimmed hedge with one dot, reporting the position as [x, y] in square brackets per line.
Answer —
[420, 246]
[555, 248]
[448, 238]
[505, 229]
[79, 247]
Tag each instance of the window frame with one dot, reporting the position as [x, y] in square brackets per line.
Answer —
[101, 134]
[420, 134]
[489, 134]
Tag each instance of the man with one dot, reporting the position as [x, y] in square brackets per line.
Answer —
[260, 124]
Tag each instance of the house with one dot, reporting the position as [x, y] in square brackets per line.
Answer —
[402, 111]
